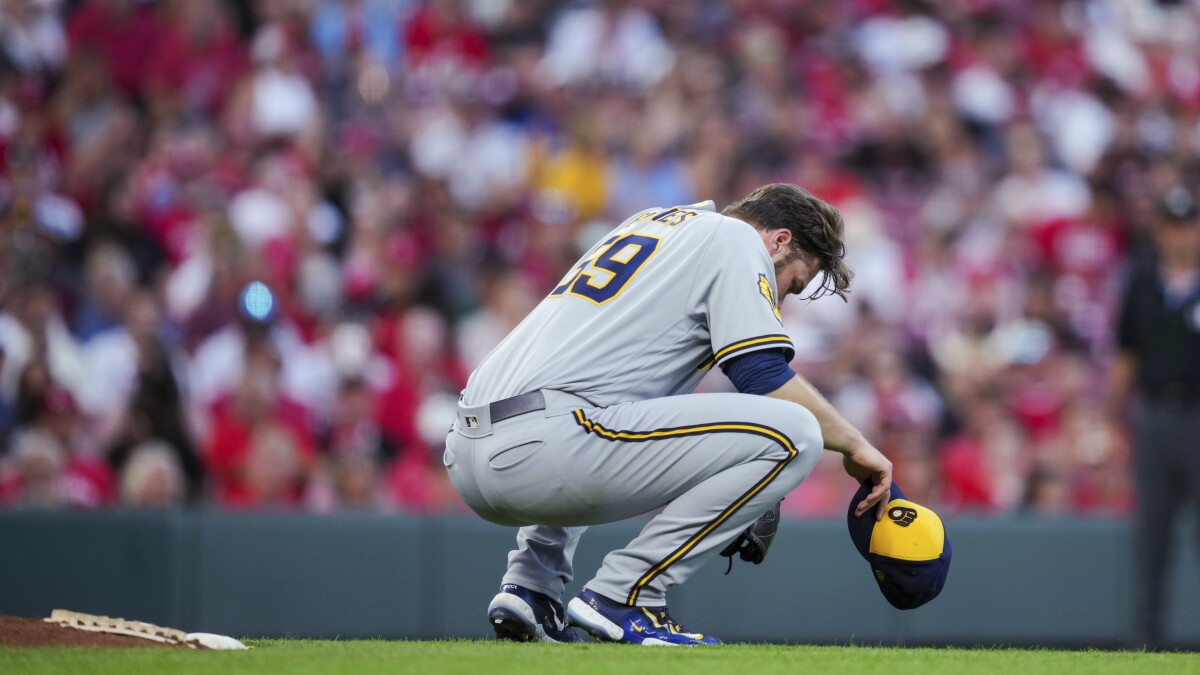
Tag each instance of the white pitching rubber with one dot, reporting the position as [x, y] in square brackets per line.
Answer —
[213, 641]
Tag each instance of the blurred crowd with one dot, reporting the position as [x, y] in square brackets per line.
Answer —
[250, 250]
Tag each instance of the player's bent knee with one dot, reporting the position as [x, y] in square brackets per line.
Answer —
[810, 432]
[799, 425]
[805, 435]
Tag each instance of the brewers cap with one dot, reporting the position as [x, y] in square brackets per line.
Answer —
[908, 550]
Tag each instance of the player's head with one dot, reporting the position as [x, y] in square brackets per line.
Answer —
[1178, 207]
[816, 228]
[908, 550]
[1178, 232]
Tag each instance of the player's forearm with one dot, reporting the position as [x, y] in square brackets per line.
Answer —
[839, 434]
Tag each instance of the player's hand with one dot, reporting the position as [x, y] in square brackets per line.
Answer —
[866, 463]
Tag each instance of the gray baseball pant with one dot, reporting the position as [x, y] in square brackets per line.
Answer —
[713, 463]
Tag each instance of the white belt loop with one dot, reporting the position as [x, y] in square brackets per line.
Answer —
[474, 421]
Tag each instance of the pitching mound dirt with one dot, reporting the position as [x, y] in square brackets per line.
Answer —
[19, 632]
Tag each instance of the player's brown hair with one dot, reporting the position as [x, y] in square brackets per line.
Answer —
[816, 226]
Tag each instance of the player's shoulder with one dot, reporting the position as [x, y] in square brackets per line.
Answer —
[731, 232]
[675, 215]
[699, 223]
[705, 230]
[705, 218]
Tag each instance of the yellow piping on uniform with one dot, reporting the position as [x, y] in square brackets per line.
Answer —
[769, 339]
[758, 429]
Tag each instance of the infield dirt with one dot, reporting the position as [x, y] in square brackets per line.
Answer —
[21, 632]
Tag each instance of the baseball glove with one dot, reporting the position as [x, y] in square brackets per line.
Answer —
[753, 543]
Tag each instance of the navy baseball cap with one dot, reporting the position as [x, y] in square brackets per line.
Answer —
[908, 550]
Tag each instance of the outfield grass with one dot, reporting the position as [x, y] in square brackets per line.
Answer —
[321, 657]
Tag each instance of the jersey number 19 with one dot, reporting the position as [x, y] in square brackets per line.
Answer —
[602, 276]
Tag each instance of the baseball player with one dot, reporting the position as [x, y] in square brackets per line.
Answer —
[584, 413]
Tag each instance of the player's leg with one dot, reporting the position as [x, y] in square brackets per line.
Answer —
[542, 560]
[1187, 438]
[731, 478]
[1158, 486]
[681, 538]
[529, 604]
[717, 462]
[599, 465]
[570, 467]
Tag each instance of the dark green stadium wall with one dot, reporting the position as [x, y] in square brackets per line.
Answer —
[1019, 582]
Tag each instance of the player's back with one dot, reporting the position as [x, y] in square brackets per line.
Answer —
[630, 320]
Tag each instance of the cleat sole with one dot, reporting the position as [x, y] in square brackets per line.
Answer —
[509, 626]
[513, 619]
[581, 614]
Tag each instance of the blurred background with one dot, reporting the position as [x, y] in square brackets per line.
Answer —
[252, 249]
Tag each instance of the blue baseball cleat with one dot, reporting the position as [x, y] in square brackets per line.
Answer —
[610, 620]
[522, 615]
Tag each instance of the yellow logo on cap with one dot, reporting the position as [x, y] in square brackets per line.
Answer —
[902, 515]
[909, 532]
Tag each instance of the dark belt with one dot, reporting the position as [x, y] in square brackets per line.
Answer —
[517, 405]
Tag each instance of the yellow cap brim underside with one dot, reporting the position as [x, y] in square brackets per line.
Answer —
[922, 539]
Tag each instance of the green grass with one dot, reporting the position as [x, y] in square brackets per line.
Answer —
[321, 657]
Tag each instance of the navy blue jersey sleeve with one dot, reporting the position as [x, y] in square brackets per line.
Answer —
[760, 372]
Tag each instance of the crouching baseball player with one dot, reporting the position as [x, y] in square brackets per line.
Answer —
[584, 413]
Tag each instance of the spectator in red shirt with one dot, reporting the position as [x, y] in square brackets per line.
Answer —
[427, 372]
[197, 60]
[54, 465]
[984, 467]
[440, 34]
[123, 32]
[259, 449]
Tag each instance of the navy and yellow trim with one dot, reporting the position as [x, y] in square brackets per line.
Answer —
[695, 430]
[749, 345]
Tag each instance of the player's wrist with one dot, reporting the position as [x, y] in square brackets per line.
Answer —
[849, 444]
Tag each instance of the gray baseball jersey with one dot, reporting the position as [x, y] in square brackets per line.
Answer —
[688, 287]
